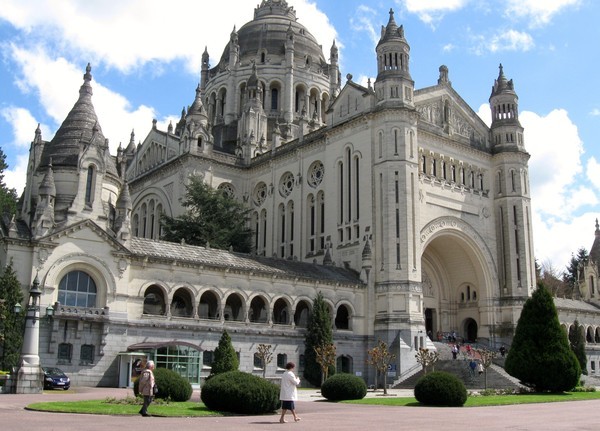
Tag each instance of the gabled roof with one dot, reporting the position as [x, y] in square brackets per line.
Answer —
[216, 258]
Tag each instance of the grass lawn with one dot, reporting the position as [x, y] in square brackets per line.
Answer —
[491, 400]
[126, 407]
[130, 407]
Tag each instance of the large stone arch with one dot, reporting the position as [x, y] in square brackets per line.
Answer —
[456, 259]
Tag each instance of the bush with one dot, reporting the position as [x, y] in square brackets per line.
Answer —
[440, 389]
[344, 387]
[170, 385]
[540, 356]
[239, 392]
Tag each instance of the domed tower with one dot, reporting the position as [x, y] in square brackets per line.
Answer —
[84, 174]
[394, 85]
[293, 76]
[512, 201]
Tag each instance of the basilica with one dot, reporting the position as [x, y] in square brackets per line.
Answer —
[398, 203]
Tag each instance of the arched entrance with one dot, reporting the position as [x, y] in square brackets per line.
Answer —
[457, 274]
[470, 330]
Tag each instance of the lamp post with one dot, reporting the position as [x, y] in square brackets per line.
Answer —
[29, 377]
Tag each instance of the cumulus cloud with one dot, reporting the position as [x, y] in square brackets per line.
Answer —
[128, 34]
[557, 190]
[511, 40]
[431, 11]
[539, 13]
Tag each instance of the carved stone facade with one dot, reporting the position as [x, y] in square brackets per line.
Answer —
[399, 204]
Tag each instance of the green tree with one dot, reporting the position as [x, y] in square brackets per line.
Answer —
[212, 217]
[571, 276]
[225, 358]
[8, 197]
[318, 334]
[577, 344]
[11, 324]
[540, 356]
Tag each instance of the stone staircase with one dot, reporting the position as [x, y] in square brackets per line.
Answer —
[497, 378]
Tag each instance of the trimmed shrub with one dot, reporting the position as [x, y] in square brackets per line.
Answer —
[170, 385]
[441, 389]
[225, 358]
[344, 387]
[540, 356]
[239, 392]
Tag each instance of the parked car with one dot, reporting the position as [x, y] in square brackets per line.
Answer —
[55, 378]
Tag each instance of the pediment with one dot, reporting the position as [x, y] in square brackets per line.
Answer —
[442, 108]
[353, 100]
[86, 232]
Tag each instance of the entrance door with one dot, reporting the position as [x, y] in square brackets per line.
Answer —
[471, 330]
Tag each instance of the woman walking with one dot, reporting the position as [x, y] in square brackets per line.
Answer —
[146, 387]
[289, 392]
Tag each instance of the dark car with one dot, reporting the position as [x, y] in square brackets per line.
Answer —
[54, 378]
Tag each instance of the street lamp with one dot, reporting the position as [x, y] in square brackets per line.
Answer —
[29, 375]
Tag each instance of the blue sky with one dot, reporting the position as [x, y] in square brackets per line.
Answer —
[145, 57]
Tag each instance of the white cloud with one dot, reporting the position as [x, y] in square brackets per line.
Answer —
[23, 125]
[129, 33]
[538, 12]
[592, 170]
[511, 40]
[558, 190]
[431, 11]
[595, 112]
[364, 20]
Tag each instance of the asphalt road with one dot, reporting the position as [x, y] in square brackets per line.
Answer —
[315, 413]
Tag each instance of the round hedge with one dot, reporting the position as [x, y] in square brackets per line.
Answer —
[170, 385]
[440, 389]
[344, 387]
[239, 392]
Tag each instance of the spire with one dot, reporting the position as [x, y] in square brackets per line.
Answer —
[502, 85]
[595, 250]
[81, 129]
[47, 186]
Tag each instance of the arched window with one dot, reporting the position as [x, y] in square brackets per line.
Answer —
[342, 318]
[209, 306]
[154, 301]
[77, 289]
[258, 310]
[280, 312]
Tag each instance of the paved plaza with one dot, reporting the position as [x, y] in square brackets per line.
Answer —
[315, 413]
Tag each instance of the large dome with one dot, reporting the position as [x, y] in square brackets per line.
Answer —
[268, 31]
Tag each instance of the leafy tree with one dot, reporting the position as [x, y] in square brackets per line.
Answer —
[8, 197]
[265, 355]
[577, 344]
[540, 356]
[318, 333]
[325, 357]
[571, 274]
[225, 358]
[212, 217]
[11, 324]
[380, 357]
